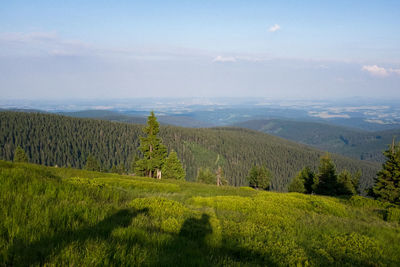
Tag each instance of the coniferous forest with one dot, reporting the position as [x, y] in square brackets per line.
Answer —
[55, 140]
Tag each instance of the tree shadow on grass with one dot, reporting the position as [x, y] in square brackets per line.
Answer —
[190, 248]
[38, 252]
[187, 248]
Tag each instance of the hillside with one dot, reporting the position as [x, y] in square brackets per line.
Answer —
[65, 141]
[138, 118]
[349, 142]
[69, 217]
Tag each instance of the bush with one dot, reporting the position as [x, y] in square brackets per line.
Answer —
[259, 177]
[20, 155]
[297, 185]
[206, 176]
[393, 214]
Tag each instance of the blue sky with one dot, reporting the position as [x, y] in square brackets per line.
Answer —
[100, 49]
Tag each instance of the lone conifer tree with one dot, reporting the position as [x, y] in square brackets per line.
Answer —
[327, 180]
[154, 152]
[20, 155]
[387, 182]
[172, 168]
[92, 164]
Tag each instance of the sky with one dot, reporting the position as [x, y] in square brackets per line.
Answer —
[209, 48]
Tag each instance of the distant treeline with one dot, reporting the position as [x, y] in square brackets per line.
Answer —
[65, 141]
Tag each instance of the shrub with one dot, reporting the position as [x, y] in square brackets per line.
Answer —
[259, 177]
[206, 176]
[20, 155]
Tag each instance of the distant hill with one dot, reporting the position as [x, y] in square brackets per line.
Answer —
[184, 121]
[347, 141]
[108, 115]
[361, 123]
[29, 110]
[66, 141]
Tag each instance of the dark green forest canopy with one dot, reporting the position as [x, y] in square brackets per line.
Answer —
[65, 141]
[349, 142]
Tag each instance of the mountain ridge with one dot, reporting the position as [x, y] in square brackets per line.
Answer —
[346, 141]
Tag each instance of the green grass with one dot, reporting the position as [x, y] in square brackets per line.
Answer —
[59, 216]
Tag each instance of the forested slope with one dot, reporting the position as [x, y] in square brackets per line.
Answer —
[65, 141]
[349, 142]
[108, 115]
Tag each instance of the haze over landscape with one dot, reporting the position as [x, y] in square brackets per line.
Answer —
[200, 133]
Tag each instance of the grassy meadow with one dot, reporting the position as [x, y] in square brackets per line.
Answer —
[61, 216]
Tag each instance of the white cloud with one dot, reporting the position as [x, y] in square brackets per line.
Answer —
[326, 115]
[42, 44]
[374, 70]
[380, 71]
[395, 71]
[224, 59]
[63, 53]
[29, 37]
[274, 28]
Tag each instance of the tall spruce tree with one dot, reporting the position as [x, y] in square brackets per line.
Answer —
[327, 180]
[154, 152]
[20, 155]
[387, 182]
[172, 168]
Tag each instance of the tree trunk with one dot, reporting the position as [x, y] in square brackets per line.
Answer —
[219, 172]
[158, 174]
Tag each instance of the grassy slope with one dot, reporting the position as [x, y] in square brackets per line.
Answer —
[350, 142]
[73, 217]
